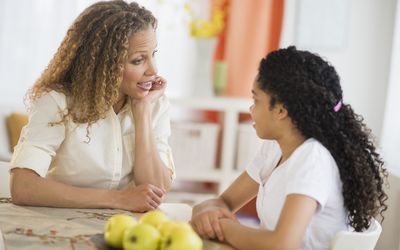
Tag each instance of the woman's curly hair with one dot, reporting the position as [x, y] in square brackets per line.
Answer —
[88, 66]
[309, 88]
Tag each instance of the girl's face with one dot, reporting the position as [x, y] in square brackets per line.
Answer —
[140, 69]
[264, 118]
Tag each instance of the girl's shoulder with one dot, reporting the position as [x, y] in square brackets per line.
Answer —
[314, 147]
[313, 152]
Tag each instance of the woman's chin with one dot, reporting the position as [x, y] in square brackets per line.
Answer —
[140, 95]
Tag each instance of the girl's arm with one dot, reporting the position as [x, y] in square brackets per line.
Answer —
[206, 215]
[28, 188]
[288, 234]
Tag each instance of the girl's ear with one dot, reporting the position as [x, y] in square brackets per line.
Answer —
[280, 111]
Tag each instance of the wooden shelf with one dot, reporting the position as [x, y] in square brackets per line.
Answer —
[231, 109]
[211, 175]
[215, 103]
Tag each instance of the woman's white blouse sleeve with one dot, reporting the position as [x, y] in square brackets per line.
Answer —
[39, 140]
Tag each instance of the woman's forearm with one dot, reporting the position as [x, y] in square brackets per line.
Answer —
[27, 188]
[148, 166]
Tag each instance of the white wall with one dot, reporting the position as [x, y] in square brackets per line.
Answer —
[391, 123]
[30, 32]
[390, 145]
[362, 59]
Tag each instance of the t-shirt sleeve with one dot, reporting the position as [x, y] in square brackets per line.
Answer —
[39, 139]
[262, 163]
[312, 174]
[162, 130]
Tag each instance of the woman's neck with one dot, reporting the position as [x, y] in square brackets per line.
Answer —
[119, 104]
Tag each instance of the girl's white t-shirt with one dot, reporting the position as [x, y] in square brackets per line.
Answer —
[311, 171]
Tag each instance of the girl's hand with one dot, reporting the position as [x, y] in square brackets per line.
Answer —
[207, 222]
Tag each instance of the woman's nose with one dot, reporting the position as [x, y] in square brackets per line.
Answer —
[152, 68]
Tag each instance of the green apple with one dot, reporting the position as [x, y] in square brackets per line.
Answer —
[154, 218]
[166, 227]
[141, 237]
[182, 238]
[115, 227]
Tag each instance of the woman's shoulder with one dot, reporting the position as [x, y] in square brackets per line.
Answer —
[52, 97]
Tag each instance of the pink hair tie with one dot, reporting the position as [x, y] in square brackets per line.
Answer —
[337, 107]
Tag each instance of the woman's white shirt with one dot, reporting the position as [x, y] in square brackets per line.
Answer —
[311, 171]
[64, 153]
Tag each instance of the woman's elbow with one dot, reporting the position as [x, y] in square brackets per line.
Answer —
[167, 185]
[17, 196]
[19, 186]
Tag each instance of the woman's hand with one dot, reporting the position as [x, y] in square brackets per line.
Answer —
[206, 221]
[143, 105]
[156, 91]
[141, 198]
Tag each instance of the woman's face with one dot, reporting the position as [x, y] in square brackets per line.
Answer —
[263, 116]
[140, 69]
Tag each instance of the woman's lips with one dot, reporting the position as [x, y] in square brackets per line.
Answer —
[145, 85]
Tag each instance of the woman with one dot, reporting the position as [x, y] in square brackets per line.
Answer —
[98, 129]
[318, 171]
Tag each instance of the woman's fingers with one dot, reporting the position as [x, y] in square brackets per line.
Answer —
[159, 83]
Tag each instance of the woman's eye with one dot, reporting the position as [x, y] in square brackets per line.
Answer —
[137, 61]
[154, 52]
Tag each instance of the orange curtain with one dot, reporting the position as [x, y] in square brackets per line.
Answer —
[252, 30]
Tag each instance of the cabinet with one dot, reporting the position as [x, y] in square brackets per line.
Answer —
[230, 109]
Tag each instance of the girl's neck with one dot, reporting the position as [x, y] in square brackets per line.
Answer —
[289, 144]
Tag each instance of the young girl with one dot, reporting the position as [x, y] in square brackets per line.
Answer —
[317, 172]
[98, 129]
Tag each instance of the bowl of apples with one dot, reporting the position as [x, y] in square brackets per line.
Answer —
[153, 231]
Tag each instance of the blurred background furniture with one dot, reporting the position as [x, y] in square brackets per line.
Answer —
[12, 119]
[346, 240]
[4, 180]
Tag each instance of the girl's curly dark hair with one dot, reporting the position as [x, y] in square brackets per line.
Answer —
[88, 66]
[309, 88]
